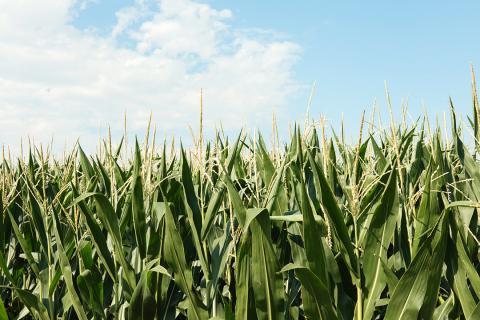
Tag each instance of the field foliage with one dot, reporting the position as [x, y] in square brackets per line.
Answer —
[386, 228]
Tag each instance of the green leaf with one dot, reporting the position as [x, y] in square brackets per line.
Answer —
[33, 304]
[475, 314]
[322, 306]
[244, 309]
[24, 245]
[38, 220]
[379, 236]
[239, 208]
[264, 162]
[175, 258]
[85, 164]
[67, 273]
[110, 220]
[3, 312]
[194, 214]
[276, 200]
[97, 236]
[218, 194]
[427, 213]
[266, 281]
[443, 310]
[143, 304]
[463, 276]
[138, 210]
[90, 287]
[311, 232]
[334, 214]
[423, 273]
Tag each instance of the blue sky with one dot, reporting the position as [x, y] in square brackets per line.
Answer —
[422, 49]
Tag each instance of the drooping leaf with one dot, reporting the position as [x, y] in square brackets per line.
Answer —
[322, 308]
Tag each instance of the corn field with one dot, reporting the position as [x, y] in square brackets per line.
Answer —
[386, 228]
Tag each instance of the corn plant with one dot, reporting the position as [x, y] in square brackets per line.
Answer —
[386, 228]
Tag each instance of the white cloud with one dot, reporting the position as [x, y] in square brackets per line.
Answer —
[184, 27]
[56, 80]
[126, 16]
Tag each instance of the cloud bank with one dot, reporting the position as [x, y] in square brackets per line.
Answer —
[61, 81]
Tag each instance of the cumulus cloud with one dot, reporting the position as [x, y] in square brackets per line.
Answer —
[182, 28]
[57, 80]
